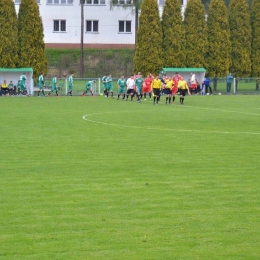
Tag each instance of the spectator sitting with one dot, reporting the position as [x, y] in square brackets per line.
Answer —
[11, 88]
[4, 88]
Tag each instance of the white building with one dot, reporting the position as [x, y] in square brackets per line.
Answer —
[103, 26]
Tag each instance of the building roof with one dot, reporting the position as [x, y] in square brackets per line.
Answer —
[16, 70]
[183, 70]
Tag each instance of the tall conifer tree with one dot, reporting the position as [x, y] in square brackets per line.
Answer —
[173, 35]
[240, 32]
[148, 52]
[219, 47]
[255, 24]
[30, 35]
[8, 35]
[196, 34]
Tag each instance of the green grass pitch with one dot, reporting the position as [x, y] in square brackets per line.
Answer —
[100, 178]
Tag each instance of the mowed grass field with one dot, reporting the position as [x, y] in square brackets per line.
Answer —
[100, 178]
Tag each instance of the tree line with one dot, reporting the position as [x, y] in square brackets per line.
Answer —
[21, 38]
[223, 37]
[225, 40]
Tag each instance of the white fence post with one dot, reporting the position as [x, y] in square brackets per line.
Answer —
[99, 86]
[234, 85]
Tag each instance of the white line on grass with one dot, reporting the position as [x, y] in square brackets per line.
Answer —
[223, 110]
[86, 117]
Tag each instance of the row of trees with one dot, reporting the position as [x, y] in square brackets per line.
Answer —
[228, 39]
[21, 38]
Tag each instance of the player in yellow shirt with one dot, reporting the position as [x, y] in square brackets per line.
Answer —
[156, 88]
[168, 89]
[183, 88]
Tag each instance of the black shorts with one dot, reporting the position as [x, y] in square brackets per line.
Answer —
[130, 91]
[183, 92]
[168, 91]
[156, 91]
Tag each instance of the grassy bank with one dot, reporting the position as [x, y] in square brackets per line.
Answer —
[97, 62]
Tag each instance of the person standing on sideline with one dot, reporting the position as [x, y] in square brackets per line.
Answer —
[206, 83]
[183, 88]
[89, 87]
[70, 84]
[229, 82]
[22, 84]
[41, 85]
[156, 87]
[121, 83]
[138, 84]
[130, 85]
[54, 86]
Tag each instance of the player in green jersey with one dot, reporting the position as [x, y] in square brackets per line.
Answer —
[138, 84]
[121, 83]
[41, 85]
[22, 84]
[110, 86]
[89, 87]
[70, 84]
[54, 86]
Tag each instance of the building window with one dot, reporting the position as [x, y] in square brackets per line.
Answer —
[59, 25]
[60, 2]
[92, 26]
[95, 2]
[122, 2]
[161, 2]
[124, 26]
